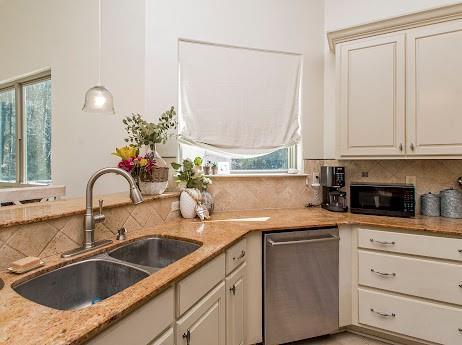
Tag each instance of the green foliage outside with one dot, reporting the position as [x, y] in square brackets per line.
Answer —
[277, 160]
[37, 133]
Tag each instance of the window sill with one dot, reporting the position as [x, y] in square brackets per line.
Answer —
[256, 175]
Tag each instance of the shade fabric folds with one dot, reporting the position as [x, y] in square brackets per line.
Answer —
[238, 101]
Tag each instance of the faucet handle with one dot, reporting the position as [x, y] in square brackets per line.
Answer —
[100, 217]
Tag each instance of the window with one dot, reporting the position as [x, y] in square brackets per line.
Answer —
[279, 161]
[25, 130]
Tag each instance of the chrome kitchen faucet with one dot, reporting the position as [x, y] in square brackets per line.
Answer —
[90, 219]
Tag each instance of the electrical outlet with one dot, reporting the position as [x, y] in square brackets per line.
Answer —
[411, 180]
[315, 179]
[175, 206]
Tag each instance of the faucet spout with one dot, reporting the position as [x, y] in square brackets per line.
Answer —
[90, 219]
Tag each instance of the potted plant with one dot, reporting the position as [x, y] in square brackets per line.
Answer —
[143, 136]
[197, 165]
[214, 168]
[193, 186]
[207, 168]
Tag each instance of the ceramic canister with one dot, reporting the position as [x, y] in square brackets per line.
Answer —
[451, 203]
[430, 205]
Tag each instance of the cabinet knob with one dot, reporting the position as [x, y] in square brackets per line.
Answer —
[401, 147]
[412, 146]
[233, 289]
[187, 336]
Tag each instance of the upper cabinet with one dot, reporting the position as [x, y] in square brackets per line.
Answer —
[434, 89]
[399, 93]
[372, 105]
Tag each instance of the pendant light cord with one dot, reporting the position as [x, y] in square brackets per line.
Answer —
[100, 19]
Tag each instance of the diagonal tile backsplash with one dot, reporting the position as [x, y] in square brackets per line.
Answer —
[431, 175]
[56, 236]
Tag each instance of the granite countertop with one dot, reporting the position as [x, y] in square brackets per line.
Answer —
[41, 211]
[23, 322]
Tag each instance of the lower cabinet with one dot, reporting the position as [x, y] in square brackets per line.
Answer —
[143, 326]
[167, 338]
[235, 306]
[205, 323]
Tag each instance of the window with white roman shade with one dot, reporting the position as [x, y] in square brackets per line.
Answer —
[238, 101]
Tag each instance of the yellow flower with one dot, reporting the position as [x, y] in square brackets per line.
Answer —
[143, 162]
[125, 152]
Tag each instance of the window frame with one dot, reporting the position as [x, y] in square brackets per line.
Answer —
[294, 162]
[17, 85]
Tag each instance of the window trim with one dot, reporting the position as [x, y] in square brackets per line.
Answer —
[294, 162]
[17, 86]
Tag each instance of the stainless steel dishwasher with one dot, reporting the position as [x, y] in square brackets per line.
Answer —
[301, 287]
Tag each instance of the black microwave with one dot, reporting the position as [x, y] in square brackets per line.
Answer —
[397, 200]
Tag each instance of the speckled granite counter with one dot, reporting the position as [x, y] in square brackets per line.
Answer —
[23, 322]
[31, 213]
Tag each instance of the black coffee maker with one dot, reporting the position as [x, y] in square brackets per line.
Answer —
[332, 181]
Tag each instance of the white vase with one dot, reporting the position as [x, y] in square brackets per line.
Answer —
[187, 203]
[153, 188]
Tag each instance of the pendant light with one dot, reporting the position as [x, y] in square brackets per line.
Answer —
[98, 99]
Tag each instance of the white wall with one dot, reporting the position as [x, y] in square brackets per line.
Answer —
[295, 26]
[345, 13]
[62, 34]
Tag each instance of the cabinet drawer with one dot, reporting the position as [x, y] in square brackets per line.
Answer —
[431, 246]
[235, 256]
[418, 277]
[196, 285]
[143, 325]
[424, 320]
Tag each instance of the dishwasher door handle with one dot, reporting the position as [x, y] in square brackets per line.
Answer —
[314, 240]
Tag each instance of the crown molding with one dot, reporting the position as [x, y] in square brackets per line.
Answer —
[405, 22]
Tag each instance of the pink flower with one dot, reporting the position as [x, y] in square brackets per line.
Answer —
[126, 165]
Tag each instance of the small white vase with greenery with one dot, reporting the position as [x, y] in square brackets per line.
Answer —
[193, 185]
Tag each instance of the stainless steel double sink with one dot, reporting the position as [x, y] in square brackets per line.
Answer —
[90, 281]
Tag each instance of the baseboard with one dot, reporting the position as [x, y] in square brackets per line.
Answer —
[384, 337]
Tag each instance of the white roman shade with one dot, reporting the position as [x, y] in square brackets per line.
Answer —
[238, 101]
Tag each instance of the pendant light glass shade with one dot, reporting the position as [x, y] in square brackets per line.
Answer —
[99, 100]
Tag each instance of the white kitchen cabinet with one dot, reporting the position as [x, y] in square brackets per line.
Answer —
[204, 323]
[372, 96]
[398, 94]
[411, 317]
[167, 338]
[434, 89]
[143, 325]
[236, 306]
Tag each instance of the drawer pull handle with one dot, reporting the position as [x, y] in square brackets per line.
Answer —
[240, 256]
[383, 274]
[383, 314]
[460, 285]
[187, 336]
[385, 243]
[460, 251]
[460, 330]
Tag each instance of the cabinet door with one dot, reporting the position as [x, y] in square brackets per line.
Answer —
[434, 70]
[165, 339]
[235, 306]
[372, 97]
[204, 324]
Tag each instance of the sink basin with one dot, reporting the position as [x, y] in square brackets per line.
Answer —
[154, 252]
[81, 284]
